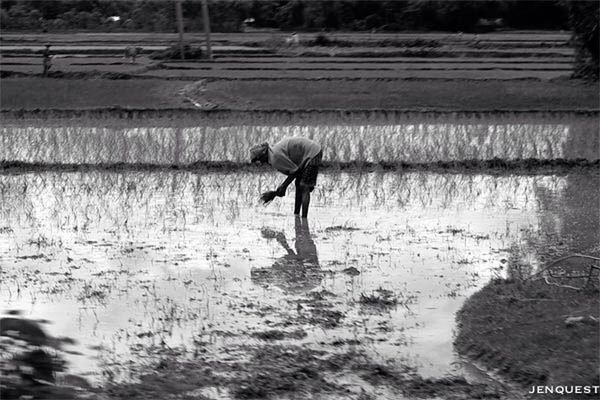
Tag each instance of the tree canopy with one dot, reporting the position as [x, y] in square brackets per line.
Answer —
[229, 15]
[584, 18]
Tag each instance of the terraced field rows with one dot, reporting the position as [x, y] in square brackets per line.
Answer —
[354, 74]
[549, 37]
[513, 55]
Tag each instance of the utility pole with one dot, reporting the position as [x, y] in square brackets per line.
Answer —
[179, 14]
[206, 23]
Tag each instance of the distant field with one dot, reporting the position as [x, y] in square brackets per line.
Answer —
[110, 59]
[31, 93]
[500, 55]
[441, 95]
[549, 37]
[353, 74]
[298, 68]
[503, 70]
[386, 60]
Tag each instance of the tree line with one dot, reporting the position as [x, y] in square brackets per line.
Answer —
[229, 15]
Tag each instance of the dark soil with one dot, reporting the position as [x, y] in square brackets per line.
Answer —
[518, 328]
[350, 94]
[83, 93]
[291, 372]
[276, 334]
[435, 94]
[494, 166]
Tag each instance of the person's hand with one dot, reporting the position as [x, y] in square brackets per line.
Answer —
[280, 191]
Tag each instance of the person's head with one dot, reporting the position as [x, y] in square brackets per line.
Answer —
[260, 153]
[47, 45]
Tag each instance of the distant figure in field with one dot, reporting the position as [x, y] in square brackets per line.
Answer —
[132, 52]
[293, 40]
[299, 158]
[47, 60]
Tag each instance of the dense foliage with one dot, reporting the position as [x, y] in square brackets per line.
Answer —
[229, 15]
[585, 17]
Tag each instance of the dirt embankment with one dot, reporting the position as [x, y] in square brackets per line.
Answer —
[522, 330]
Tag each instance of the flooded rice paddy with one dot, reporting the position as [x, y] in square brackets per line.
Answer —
[129, 262]
[134, 264]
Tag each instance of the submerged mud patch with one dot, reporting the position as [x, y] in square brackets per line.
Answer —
[292, 371]
[276, 334]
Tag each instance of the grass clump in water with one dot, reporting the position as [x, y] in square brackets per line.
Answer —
[276, 334]
[379, 298]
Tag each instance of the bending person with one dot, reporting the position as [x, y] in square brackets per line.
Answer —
[299, 158]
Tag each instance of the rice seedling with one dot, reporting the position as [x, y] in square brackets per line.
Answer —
[381, 139]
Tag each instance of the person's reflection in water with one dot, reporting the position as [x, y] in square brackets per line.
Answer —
[296, 272]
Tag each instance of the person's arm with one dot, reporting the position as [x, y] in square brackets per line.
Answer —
[283, 187]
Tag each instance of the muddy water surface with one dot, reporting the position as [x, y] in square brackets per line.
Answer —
[133, 263]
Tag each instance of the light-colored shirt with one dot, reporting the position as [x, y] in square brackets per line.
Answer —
[287, 155]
